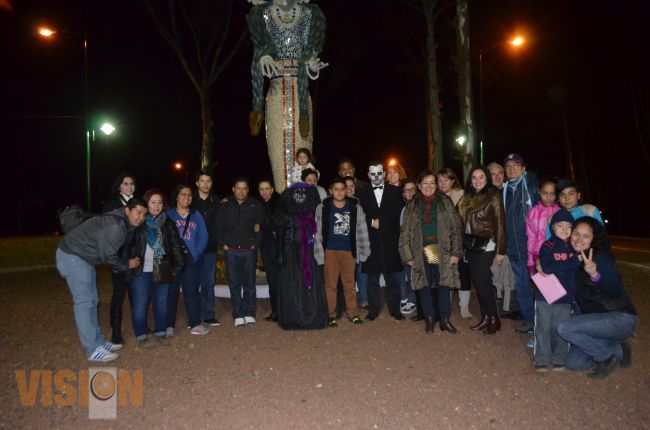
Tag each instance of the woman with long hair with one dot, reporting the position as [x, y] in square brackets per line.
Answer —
[194, 233]
[430, 242]
[483, 216]
[607, 316]
[162, 253]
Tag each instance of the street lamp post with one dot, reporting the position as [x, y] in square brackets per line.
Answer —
[515, 42]
[47, 32]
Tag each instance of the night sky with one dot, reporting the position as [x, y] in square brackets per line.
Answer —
[586, 62]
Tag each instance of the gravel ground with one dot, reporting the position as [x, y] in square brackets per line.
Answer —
[382, 374]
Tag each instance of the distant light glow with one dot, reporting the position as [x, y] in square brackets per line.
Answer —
[461, 140]
[392, 162]
[107, 128]
[178, 165]
[517, 41]
[46, 32]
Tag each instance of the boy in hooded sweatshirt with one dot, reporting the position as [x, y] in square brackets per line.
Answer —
[557, 257]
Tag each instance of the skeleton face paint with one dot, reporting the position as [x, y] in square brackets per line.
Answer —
[376, 175]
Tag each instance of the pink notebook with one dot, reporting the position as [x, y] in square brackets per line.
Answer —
[549, 286]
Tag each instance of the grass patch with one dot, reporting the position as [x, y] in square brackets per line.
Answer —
[28, 251]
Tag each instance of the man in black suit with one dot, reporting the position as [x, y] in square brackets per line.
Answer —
[382, 204]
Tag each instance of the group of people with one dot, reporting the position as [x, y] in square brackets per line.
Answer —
[325, 253]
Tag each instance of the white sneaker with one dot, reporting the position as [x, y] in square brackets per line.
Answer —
[108, 346]
[240, 322]
[408, 308]
[102, 355]
[249, 320]
[200, 330]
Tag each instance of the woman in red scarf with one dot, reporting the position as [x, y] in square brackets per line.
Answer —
[430, 242]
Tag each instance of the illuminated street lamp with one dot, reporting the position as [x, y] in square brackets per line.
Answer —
[107, 128]
[515, 42]
[178, 166]
[392, 162]
[460, 140]
[48, 33]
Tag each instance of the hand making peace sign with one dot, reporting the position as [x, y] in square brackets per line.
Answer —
[589, 265]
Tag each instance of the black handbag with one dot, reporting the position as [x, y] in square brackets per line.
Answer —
[475, 243]
[162, 271]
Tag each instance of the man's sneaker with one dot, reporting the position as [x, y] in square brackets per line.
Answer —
[112, 347]
[169, 332]
[332, 323]
[604, 368]
[540, 368]
[626, 361]
[102, 355]
[200, 330]
[249, 321]
[525, 328]
[239, 322]
[408, 308]
[558, 367]
[213, 322]
[356, 319]
[403, 302]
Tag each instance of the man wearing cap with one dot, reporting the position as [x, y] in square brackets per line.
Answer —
[520, 194]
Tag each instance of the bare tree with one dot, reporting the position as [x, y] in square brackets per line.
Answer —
[464, 72]
[431, 11]
[198, 31]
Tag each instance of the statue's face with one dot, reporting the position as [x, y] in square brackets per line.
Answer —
[285, 3]
[376, 175]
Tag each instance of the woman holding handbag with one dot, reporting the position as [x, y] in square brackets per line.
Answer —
[430, 243]
[483, 216]
[161, 250]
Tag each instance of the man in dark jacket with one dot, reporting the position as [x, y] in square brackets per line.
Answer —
[96, 241]
[238, 233]
[383, 205]
[207, 204]
[520, 194]
[269, 246]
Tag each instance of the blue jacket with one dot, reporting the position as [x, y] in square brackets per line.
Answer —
[517, 202]
[558, 257]
[196, 235]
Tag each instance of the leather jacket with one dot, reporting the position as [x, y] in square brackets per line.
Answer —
[172, 244]
[485, 216]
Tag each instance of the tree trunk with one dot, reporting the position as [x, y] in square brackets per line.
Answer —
[465, 87]
[207, 124]
[435, 146]
[431, 147]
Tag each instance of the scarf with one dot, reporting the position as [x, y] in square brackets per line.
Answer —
[513, 185]
[428, 204]
[154, 236]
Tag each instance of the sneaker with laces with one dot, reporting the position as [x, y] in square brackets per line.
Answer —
[102, 355]
[112, 347]
[240, 322]
[332, 323]
[356, 319]
[249, 321]
[213, 322]
[408, 308]
[200, 330]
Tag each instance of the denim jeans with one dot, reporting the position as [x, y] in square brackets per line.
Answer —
[595, 337]
[441, 305]
[207, 271]
[81, 279]
[406, 293]
[362, 286]
[189, 279]
[143, 292]
[524, 293]
[241, 274]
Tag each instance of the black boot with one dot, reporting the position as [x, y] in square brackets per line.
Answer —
[604, 368]
[273, 317]
[494, 325]
[482, 324]
[446, 325]
[428, 324]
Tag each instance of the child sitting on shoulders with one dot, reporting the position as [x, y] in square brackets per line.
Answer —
[557, 257]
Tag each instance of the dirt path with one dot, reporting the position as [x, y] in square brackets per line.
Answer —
[384, 374]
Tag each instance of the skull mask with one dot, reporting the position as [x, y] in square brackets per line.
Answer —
[376, 175]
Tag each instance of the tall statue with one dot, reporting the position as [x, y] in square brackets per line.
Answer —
[288, 35]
